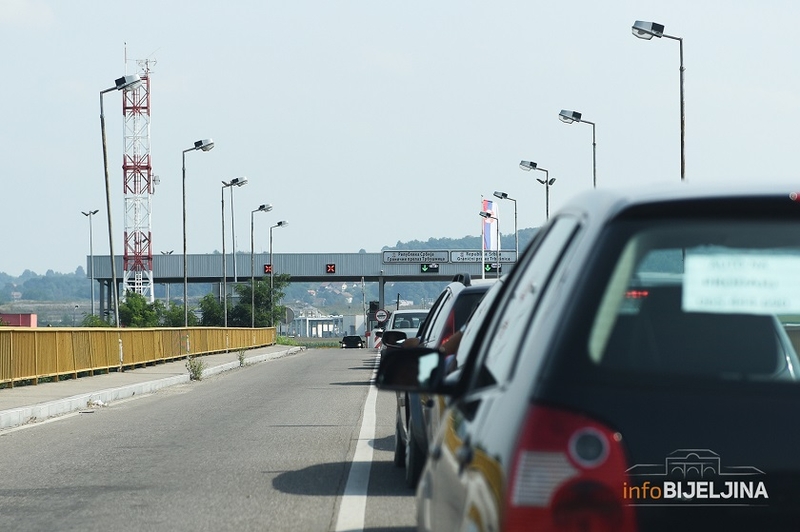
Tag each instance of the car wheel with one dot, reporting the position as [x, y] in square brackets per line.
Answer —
[415, 460]
[399, 444]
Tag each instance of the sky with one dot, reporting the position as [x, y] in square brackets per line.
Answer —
[367, 122]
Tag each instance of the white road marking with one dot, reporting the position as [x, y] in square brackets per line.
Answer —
[353, 507]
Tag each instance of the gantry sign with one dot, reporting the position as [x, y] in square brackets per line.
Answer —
[446, 256]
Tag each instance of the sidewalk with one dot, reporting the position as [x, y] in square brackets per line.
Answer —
[26, 404]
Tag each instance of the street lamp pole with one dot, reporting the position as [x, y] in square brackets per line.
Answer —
[569, 117]
[266, 207]
[123, 83]
[503, 195]
[530, 165]
[205, 145]
[91, 253]
[647, 30]
[238, 182]
[282, 223]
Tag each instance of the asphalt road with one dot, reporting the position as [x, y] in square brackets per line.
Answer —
[266, 447]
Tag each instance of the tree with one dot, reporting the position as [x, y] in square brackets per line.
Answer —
[211, 312]
[135, 311]
[92, 320]
[240, 314]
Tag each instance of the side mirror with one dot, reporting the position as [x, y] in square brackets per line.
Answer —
[378, 333]
[393, 338]
[417, 369]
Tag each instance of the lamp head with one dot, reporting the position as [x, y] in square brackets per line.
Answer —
[205, 144]
[265, 207]
[282, 223]
[239, 181]
[501, 195]
[527, 165]
[569, 117]
[128, 82]
[486, 214]
[647, 30]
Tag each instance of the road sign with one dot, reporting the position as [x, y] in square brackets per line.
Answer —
[412, 257]
[492, 268]
[268, 268]
[330, 268]
[381, 315]
[478, 256]
[429, 268]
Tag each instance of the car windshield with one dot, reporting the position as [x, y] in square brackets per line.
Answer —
[711, 299]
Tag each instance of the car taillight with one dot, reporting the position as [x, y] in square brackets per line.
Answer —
[568, 474]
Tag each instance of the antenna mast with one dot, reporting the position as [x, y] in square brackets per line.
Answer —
[138, 187]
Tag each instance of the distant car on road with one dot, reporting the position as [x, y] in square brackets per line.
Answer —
[352, 341]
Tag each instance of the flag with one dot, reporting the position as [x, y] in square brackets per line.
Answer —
[490, 233]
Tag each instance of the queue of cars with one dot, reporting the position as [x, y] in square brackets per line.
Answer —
[446, 317]
[632, 372]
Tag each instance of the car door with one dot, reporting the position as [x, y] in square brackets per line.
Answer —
[463, 484]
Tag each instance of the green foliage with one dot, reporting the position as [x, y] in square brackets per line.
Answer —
[211, 312]
[136, 311]
[91, 320]
[195, 366]
[173, 316]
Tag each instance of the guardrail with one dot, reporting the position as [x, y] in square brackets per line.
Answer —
[32, 354]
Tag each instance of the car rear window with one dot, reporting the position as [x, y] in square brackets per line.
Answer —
[718, 299]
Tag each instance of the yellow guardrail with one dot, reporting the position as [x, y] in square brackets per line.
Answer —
[30, 354]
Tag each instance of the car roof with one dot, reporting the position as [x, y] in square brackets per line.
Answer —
[608, 202]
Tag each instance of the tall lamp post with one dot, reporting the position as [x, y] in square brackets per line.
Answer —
[528, 166]
[205, 145]
[235, 182]
[124, 83]
[266, 207]
[282, 223]
[489, 216]
[647, 30]
[91, 252]
[569, 117]
[503, 195]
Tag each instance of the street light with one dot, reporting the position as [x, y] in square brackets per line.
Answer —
[528, 166]
[124, 83]
[91, 253]
[489, 216]
[569, 117]
[647, 30]
[282, 223]
[235, 182]
[205, 145]
[266, 207]
[503, 195]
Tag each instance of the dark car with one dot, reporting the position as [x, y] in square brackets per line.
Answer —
[446, 317]
[352, 341]
[635, 372]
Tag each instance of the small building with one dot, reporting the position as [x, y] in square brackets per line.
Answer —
[18, 320]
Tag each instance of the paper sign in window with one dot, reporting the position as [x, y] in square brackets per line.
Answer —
[745, 283]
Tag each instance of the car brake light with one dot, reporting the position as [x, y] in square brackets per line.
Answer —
[567, 474]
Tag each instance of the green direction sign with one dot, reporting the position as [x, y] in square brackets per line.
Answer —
[491, 268]
[429, 268]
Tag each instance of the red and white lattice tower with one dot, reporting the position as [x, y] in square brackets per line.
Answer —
[138, 188]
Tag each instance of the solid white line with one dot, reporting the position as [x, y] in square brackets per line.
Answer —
[353, 507]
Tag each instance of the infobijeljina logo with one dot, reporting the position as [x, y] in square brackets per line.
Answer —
[695, 477]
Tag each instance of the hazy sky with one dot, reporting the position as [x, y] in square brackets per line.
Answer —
[367, 122]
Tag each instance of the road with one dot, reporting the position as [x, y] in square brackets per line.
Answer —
[267, 447]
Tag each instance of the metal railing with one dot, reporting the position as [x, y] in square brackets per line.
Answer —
[31, 354]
